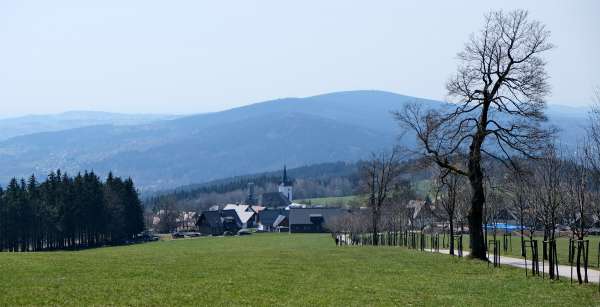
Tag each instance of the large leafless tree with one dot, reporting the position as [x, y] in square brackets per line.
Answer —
[498, 95]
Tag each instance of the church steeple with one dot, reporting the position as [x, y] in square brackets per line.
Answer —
[285, 187]
[284, 179]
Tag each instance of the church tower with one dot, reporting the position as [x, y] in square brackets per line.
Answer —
[285, 187]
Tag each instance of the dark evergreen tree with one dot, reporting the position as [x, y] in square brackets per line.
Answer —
[68, 212]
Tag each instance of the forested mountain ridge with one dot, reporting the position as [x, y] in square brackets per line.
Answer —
[344, 126]
[30, 124]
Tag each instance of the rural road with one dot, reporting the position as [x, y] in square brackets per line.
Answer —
[563, 270]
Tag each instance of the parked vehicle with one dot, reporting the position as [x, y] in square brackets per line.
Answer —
[177, 235]
[147, 236]
[191, 234]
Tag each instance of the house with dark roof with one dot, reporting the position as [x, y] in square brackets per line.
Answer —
[217, 222]
[312, 219]
[272, 219]
[282, 223]
[245, 213]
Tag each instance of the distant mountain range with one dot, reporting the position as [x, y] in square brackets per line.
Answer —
[29, 124]
[162, 153]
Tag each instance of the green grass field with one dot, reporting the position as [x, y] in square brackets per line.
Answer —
[347, 201]
[271, 269]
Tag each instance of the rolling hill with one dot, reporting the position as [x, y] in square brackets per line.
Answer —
[29, 124]
[344, 126]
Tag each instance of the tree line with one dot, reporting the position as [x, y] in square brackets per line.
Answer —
[65, 212]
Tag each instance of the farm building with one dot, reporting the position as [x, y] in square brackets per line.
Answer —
[272, 219]
[246, 213]
[312, 219]
[217, 222]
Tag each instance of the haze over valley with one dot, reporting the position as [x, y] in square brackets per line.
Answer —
[167, 151]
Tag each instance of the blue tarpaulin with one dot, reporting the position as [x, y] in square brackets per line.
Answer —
[503, 226]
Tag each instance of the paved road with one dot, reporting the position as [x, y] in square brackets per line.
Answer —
[563, 270]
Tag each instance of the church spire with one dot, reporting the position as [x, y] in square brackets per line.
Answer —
[284, 179]
[285, 187]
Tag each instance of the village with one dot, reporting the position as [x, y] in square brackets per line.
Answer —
[267, 212]
[300, 153]
[279, 212]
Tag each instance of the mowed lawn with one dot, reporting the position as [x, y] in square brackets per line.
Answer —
[267, 270]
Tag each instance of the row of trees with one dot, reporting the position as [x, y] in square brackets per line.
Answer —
[557, 190]
[546, 196]
[68, 212]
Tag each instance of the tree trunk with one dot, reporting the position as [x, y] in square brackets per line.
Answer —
[451, 237]
[477, 239]
[579, 262]
[375, 232]
[522, 234]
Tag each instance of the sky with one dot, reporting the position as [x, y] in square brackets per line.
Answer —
[184, 57]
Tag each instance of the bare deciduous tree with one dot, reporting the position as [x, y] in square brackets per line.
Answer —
[379, 174]
[592, 151]
[449, 189]
[517, 183]
[496, 209]
[549, 198]
[499, 88]
[578, 201]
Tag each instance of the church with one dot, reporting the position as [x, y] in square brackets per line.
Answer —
[282, 198]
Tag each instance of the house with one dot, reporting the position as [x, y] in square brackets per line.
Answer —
[282, 223]
[186, 221]
[217, 222]
[422, 213]
[245, 213]
[312, 219]
[272, 219]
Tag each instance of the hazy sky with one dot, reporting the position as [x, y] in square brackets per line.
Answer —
[197, 56]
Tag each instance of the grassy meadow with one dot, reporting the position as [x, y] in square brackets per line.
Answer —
[270, 270]
[346, 201]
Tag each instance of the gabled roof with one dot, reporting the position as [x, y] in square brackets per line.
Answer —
[421, 208]
[280, 220]
[244, 212]
[231, 214]
[215, 218]
[303, 215]
[212, 218]
[268, 216]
